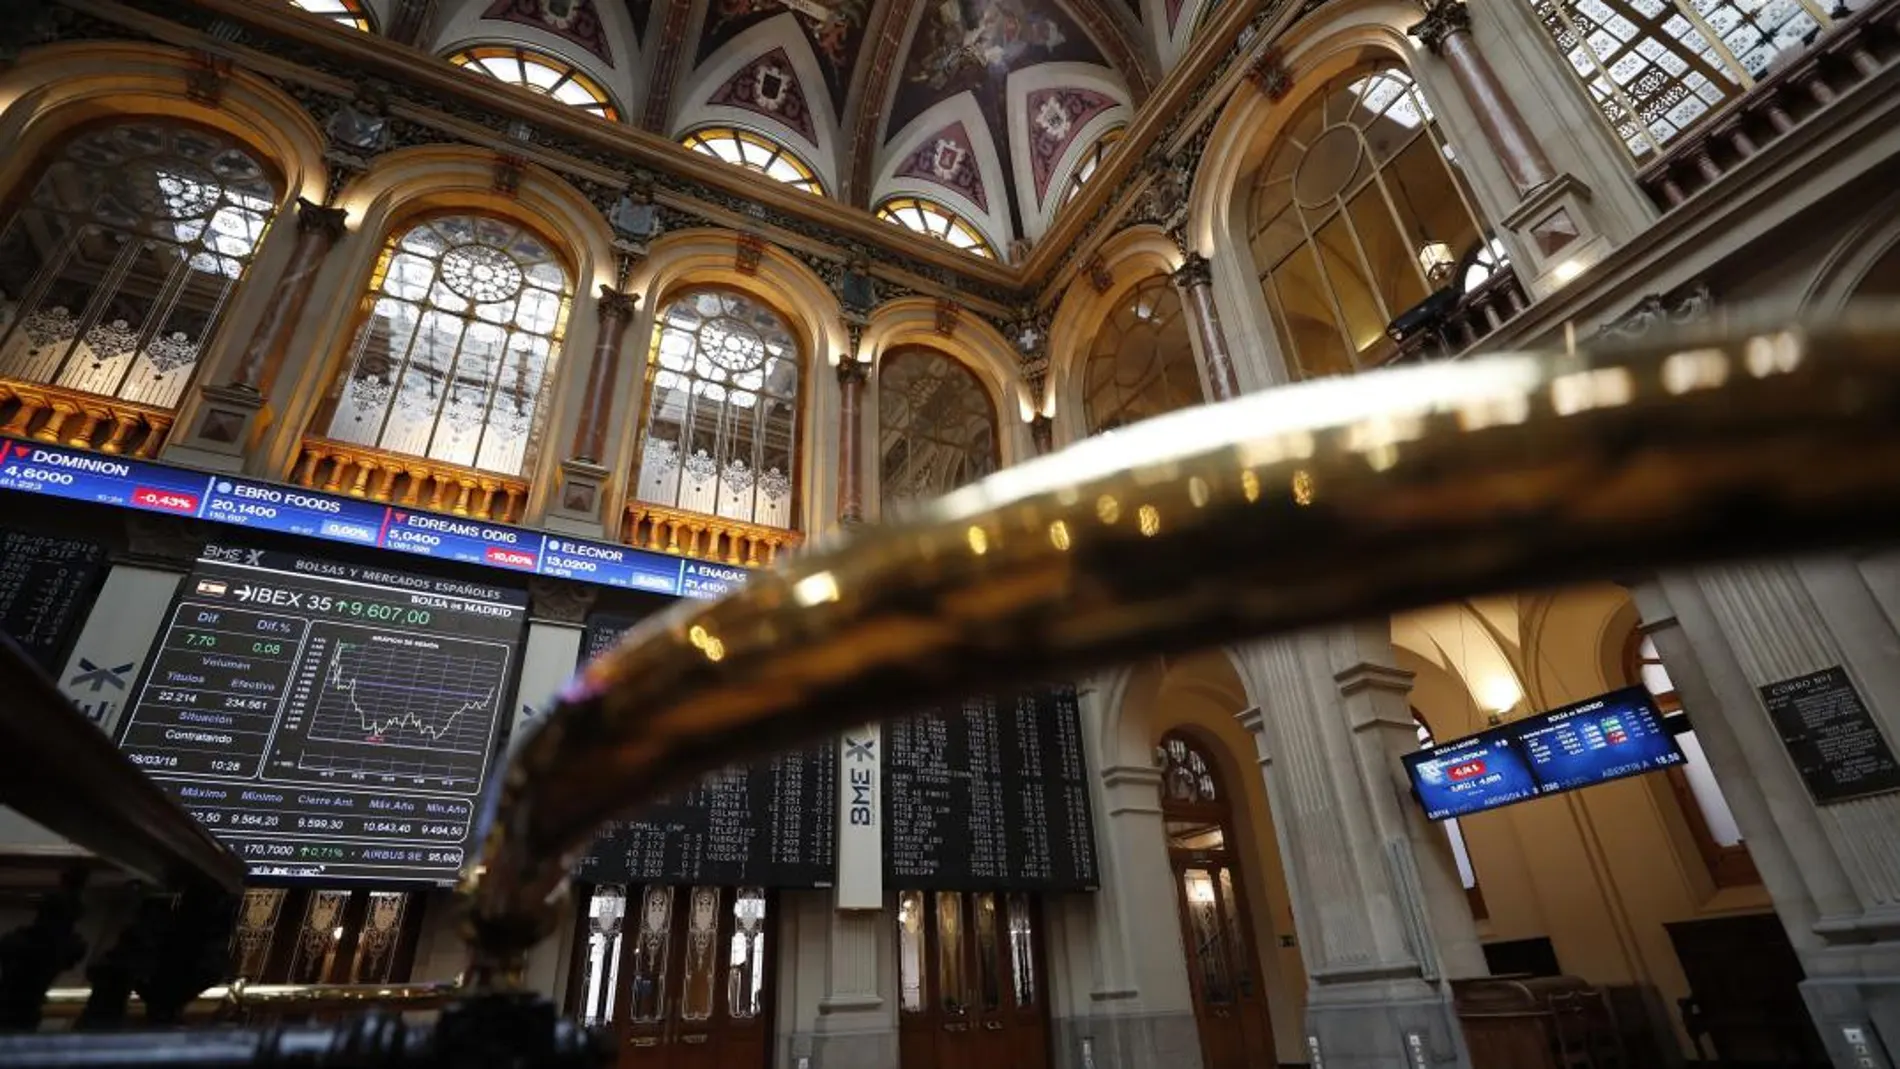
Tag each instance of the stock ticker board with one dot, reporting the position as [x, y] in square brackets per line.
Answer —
[771, 823]
[325, 719]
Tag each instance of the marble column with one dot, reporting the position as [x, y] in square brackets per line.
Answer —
[590, 434]
[1446, 31]
[318, 229]
[1830, 861]
[1375, 930]
[1195, 280]
[852, 375]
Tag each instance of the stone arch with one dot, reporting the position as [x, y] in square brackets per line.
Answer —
[404, 187]
[1866, 257]
[705, 257]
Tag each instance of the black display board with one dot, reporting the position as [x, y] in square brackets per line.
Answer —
[773, 823]
[46, 585]
[1835, 744]
[328, 720]
[994, 796]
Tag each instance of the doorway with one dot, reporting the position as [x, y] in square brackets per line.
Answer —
[683, 975]
[970, 973]
[1230, 1006]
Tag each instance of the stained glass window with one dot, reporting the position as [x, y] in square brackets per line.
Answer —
[540, 73]
[722, 410]
[452, 362]
[1090, 162]
[1141, 363]
[349, 13]
[744, 148]
[1359, 182]
[929, 217]
[117, 269]
[936, 426]
[1655, 68]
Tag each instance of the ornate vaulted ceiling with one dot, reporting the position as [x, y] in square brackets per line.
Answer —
[985, 107]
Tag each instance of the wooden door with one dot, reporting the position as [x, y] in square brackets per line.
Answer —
[971, 993]
[1230, 1004]
[683, 975]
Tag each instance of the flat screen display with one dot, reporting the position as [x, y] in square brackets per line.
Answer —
[1605, 738]
[328, 720]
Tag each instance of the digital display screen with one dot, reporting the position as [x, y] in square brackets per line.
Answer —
[53, 471]
[1590, 742]
[325, 719]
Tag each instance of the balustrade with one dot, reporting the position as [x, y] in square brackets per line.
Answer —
[713, 538]
[1471, 318]
[1853, 51]
[81, 420]
[411, 482]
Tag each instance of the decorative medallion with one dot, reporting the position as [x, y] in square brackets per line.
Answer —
[948, 159]
[574, 20]
[835, 29]
[768, 86]
[481, 273]
[1056, 116]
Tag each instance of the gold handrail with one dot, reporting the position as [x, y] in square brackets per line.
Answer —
[1332, 500]
[239, 996]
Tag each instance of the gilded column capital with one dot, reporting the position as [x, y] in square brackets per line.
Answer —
[853, 372]
[320, 219]
[616, 306]
[1443, 20]
[1195, 271]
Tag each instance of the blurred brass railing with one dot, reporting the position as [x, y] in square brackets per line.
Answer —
[82, 420]
[412, 482]
[1332, 500]
[239, 1001]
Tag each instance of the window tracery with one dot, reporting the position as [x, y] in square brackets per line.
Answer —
[118, 268]
[1656, 68]
[743, 148]
[540, 73]
[1141, 363]
[936, 427]
[1358, 185]
[1090, 162]
[929, 217]
[349, 13]
[722, 412]
[466, 315]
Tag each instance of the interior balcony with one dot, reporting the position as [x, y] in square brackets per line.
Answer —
[408, 481]
[705, 537]
[81, 420]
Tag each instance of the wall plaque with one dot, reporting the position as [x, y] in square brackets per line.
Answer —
[1835, 744]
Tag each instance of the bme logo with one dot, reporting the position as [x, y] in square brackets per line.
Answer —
[861, 755]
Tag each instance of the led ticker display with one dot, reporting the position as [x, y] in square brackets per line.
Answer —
[54, 471]
[325, 719]
[1606, 738]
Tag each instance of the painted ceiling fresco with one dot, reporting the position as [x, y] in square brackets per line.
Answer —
[947, 158]
[834, 35]
[769, 87]
[575, 20]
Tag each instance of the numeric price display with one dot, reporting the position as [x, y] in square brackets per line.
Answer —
[328, 720]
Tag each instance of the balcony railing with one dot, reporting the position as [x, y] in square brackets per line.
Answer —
[713, 538]
[1465, 320]
[81, 420]
[1855, 49]
[411, 482]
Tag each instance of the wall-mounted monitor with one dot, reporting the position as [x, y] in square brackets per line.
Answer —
[1605, 738]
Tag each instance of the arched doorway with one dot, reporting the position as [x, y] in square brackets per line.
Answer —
[1230, 1004]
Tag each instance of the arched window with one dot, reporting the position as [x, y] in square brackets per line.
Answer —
[1711, 824]
[465, 319]
[1141, 363]
[349, 13]
[1090, 162]
[929, 217]
[541, 73]
[1460, 854]
[1656, 68]
[1358, 195]
[936, 426]
[722, 410]
[120, 263]
[746, 149]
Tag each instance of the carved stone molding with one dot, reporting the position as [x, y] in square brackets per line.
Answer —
[1691, 304]
[1194, 272]
[1442, 19]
